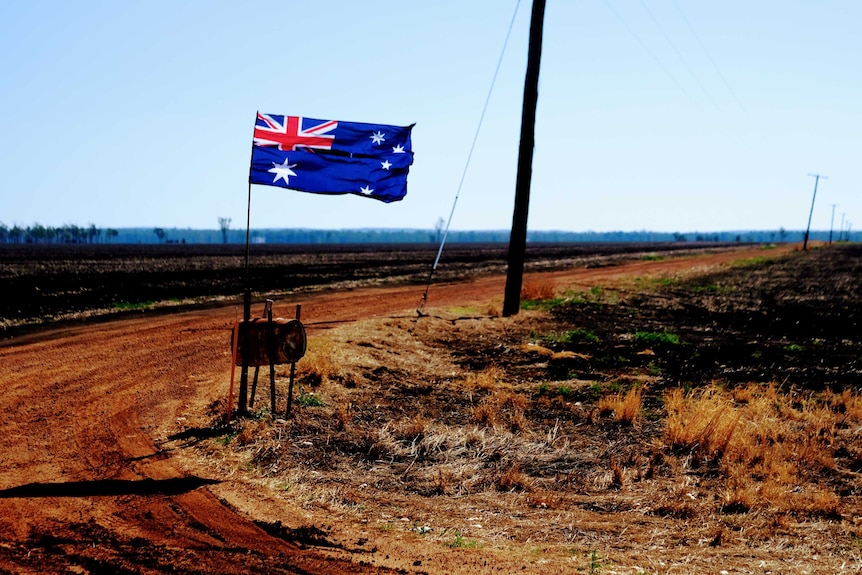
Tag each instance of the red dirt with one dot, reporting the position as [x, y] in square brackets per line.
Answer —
[84, 486]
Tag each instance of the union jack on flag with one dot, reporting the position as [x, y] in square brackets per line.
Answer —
[293, 132]
[331, 157]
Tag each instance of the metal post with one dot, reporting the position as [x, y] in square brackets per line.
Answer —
[518, 236]
[292, 372]
[832, 223]
[253, 387]
[270, 340]
[234, 345]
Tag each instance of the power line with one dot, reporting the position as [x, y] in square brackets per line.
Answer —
[710, 58]
[679, 54]
[651, 54]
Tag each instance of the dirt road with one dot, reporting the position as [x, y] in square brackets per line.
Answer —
[84, 485]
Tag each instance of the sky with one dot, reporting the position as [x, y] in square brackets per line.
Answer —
[661, 115]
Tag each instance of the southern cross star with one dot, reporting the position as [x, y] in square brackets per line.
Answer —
[399, 149]
[377, 138]
[366, 190]
[282, 171]
[385, 164]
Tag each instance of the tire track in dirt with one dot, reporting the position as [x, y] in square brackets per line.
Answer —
[88, 407]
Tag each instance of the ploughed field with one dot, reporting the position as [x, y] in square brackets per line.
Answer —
[668, 408]
[45, 284]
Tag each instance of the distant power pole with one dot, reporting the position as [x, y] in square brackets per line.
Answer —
[841, 229]
[808, 229]
[831, 223]
[518, 237]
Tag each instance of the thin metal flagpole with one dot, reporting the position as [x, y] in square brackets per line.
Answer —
[246, 300]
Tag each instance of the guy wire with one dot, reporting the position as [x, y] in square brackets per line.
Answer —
[467, 163]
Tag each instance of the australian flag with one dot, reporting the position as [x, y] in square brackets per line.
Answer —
[331, 157]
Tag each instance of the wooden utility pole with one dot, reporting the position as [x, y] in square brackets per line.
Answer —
[808, 229]
[518, 237]
[832, 223]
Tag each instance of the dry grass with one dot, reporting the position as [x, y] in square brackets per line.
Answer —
[513, 479]
[625, 407]
[405, 431]
[772, 448]
[703, 422]
[536, 291]
[489, 379]
[503, 409]
[318, 365]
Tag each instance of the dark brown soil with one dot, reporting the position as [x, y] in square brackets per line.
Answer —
[115, 460]
[796, 322]
[52, 284]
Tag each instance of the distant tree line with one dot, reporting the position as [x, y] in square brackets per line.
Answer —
[72, 234]
[68, 234]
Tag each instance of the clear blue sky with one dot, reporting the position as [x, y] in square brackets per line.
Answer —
[666, 115]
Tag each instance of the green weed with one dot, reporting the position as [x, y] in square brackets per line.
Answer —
[130, 306]
[653, 369]
[309, 400]
[227, 439]
[657, 338]
[573, 335]
[542, 304]
[596, 562]
[460, 543]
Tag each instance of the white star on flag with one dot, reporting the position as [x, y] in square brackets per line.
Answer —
[377, 137]
[366, 190]
[399, 149]
[282, 171]
[385, 164]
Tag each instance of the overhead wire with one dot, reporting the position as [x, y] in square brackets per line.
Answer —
[679, 54]
[467, 163]
[651, 54]
[725, 126]
[710, 58]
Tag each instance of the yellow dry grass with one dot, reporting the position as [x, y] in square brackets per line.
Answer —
[432, 440]
[771, 446]
[625, 407]
[536, 290]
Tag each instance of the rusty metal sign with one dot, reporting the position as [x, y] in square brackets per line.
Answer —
[277, 342]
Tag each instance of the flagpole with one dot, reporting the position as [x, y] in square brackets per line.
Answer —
[246, 299]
